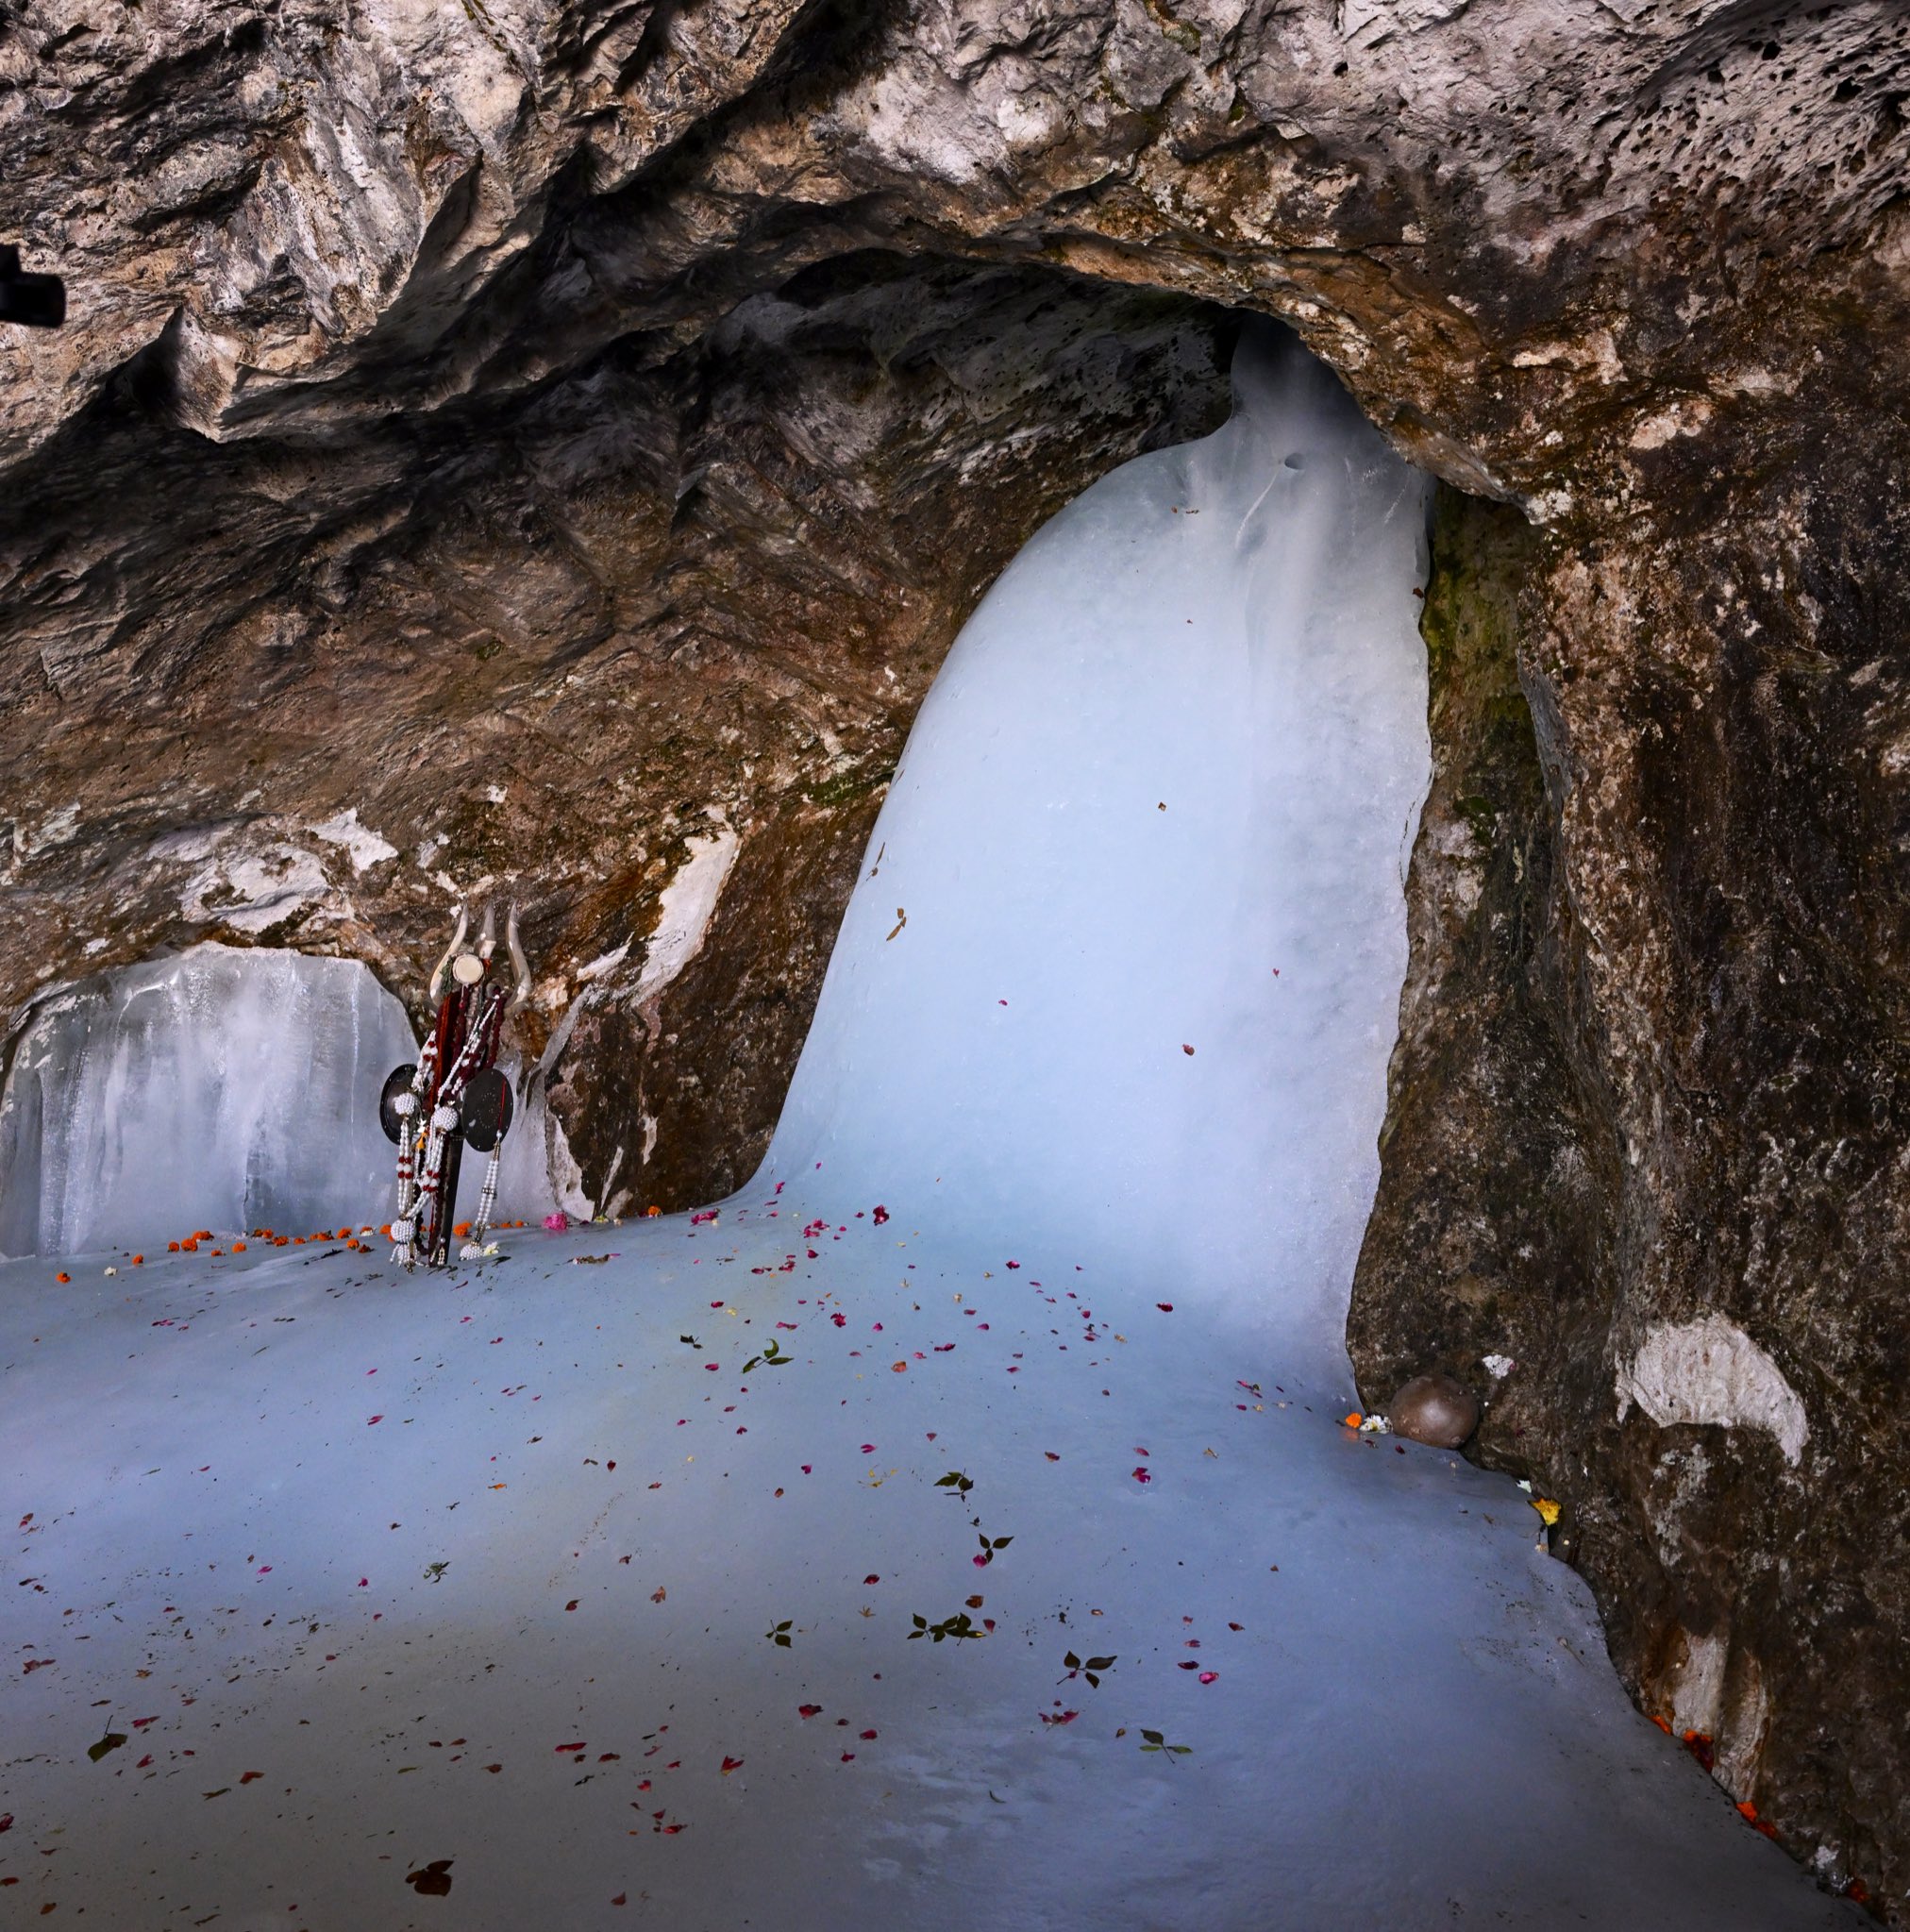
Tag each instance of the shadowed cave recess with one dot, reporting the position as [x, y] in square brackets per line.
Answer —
[576, 499]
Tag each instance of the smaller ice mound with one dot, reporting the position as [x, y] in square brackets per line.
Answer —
[222, 1087]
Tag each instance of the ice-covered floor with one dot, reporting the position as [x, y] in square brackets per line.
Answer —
[589, 1585]
[371, 1572]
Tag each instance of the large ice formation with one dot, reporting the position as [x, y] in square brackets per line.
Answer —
[1125, 959]
[223, 1086]
[600, 1585]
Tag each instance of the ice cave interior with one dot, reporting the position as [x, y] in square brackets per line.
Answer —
[956, 1528]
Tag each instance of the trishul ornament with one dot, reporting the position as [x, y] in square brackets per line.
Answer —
[454, 1095]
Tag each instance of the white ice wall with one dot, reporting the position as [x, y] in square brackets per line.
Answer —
[227, 1087]
[1162, 796]
[222, 1087]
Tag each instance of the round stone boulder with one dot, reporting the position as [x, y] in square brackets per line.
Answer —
[1435, 1409]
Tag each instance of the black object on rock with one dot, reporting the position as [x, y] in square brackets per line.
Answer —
[35, 301]
[485, 1115]
[398, 1082]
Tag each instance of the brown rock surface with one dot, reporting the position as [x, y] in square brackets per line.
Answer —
[566, 433]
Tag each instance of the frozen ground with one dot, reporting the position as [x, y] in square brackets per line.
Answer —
[552, 1595]
[235, 1483]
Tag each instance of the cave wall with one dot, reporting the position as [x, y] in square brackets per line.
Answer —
[545, 445]
[1643, 1171]
[556, 654]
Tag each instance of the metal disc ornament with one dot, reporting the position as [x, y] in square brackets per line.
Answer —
[399, 1082]
[487, 1109]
